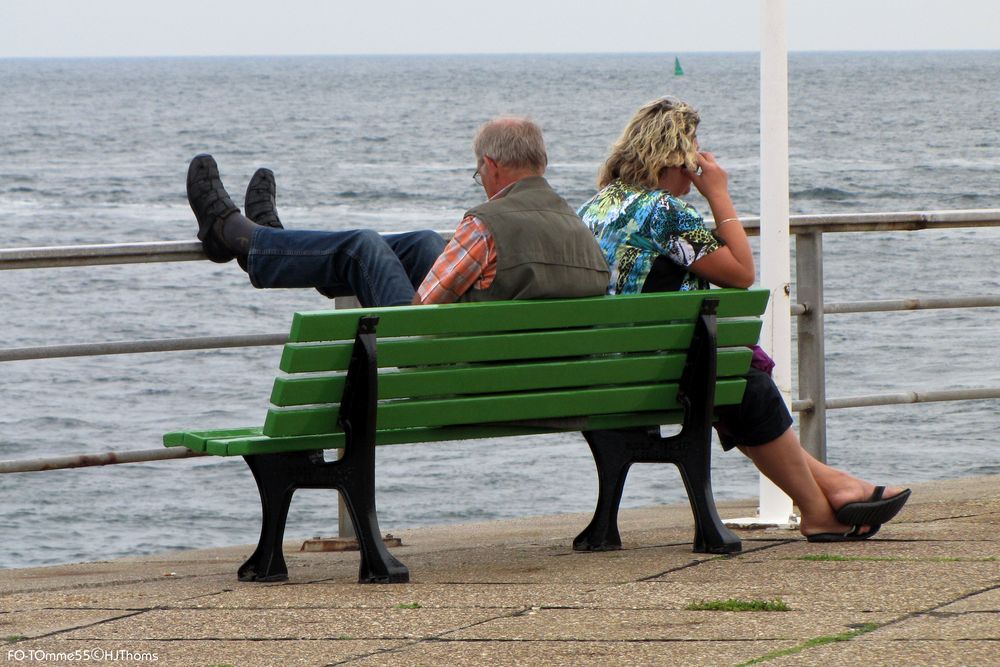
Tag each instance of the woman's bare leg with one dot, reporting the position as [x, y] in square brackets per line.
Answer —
[786, 463]
[840, 487]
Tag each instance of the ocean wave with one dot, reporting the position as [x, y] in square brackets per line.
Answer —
[50, 422]
[385, 195]
[827, 193]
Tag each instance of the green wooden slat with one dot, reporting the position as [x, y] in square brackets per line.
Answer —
[738, 333]
[498, 347]
[493, 408]
[523, 315]
[292, 391]
[302, 358]
[173, 439]
[265, 445]
[196, 440]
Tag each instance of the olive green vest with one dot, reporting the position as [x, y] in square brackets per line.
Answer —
[543, 249]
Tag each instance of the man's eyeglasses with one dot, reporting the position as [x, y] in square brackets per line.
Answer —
[476, 176]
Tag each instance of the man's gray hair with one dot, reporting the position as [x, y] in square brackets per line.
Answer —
[512, 142]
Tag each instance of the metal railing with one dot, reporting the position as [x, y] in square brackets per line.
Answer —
[810, 310]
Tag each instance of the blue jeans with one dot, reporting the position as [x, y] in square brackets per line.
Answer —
[380, 270]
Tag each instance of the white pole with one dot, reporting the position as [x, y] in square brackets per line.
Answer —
[775, 507]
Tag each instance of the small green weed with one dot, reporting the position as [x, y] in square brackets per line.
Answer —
[835, 558]
[10, 639]
[738, 605]
[812, 643]
[408, 605]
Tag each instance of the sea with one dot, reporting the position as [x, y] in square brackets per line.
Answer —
[95, 151]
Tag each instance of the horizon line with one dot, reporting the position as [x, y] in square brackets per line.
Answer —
[478, 54]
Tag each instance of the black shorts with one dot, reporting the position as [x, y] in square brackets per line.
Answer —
[759, 419]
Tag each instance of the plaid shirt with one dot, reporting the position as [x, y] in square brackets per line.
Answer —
[469, 261]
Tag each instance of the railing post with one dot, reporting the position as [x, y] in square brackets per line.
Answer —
[811, 349]
[345, 529]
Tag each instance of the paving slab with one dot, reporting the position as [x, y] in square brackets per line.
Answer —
[893, 653]
[285, 624]
[988, 600]
[860, 585]
[573, 653]
[42, 622]
[961, 626]
[334, 595]
[141, 594]
[661, 625]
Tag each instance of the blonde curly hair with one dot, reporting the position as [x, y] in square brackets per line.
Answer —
[660, 135]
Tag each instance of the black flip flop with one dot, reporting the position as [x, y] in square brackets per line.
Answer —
[875, 510]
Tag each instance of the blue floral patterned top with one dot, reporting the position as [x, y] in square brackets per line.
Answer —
[635, 227]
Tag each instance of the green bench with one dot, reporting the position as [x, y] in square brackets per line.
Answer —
[354, 379]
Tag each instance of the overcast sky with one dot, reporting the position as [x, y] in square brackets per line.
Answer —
[237, 27]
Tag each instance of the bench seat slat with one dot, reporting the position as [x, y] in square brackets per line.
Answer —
[196, 440]
[502, 407]
[261, 444]
[488, 378]
[302, 358]
[522, 315]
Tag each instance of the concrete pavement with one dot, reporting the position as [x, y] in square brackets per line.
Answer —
[925, 591]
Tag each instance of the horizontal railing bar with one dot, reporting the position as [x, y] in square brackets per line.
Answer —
[893, 221]
[96, 255]
[139, 346]
[983, 393]
[182, 251]
[102, 459]
[910, 304]
[145, 455]
[901, 398]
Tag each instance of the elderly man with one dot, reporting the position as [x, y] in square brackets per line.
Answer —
[525, 242]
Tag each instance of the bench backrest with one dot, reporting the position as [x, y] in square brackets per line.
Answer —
[494, 369]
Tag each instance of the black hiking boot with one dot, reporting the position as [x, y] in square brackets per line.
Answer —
[259, 203]
[211, 205]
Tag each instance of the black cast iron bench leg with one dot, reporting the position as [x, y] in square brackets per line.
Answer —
[690, 450]
[613, 458]
[268, 562]
[279, 475]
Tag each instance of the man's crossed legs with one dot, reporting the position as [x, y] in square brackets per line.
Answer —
[381, 270]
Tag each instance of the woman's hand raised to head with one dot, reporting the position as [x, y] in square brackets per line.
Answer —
[711, 180]
[731, 265]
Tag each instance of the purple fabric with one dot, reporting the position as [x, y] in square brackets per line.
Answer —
[761, 361]
[759, 418]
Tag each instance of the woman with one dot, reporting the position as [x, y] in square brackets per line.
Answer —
[656, 242]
